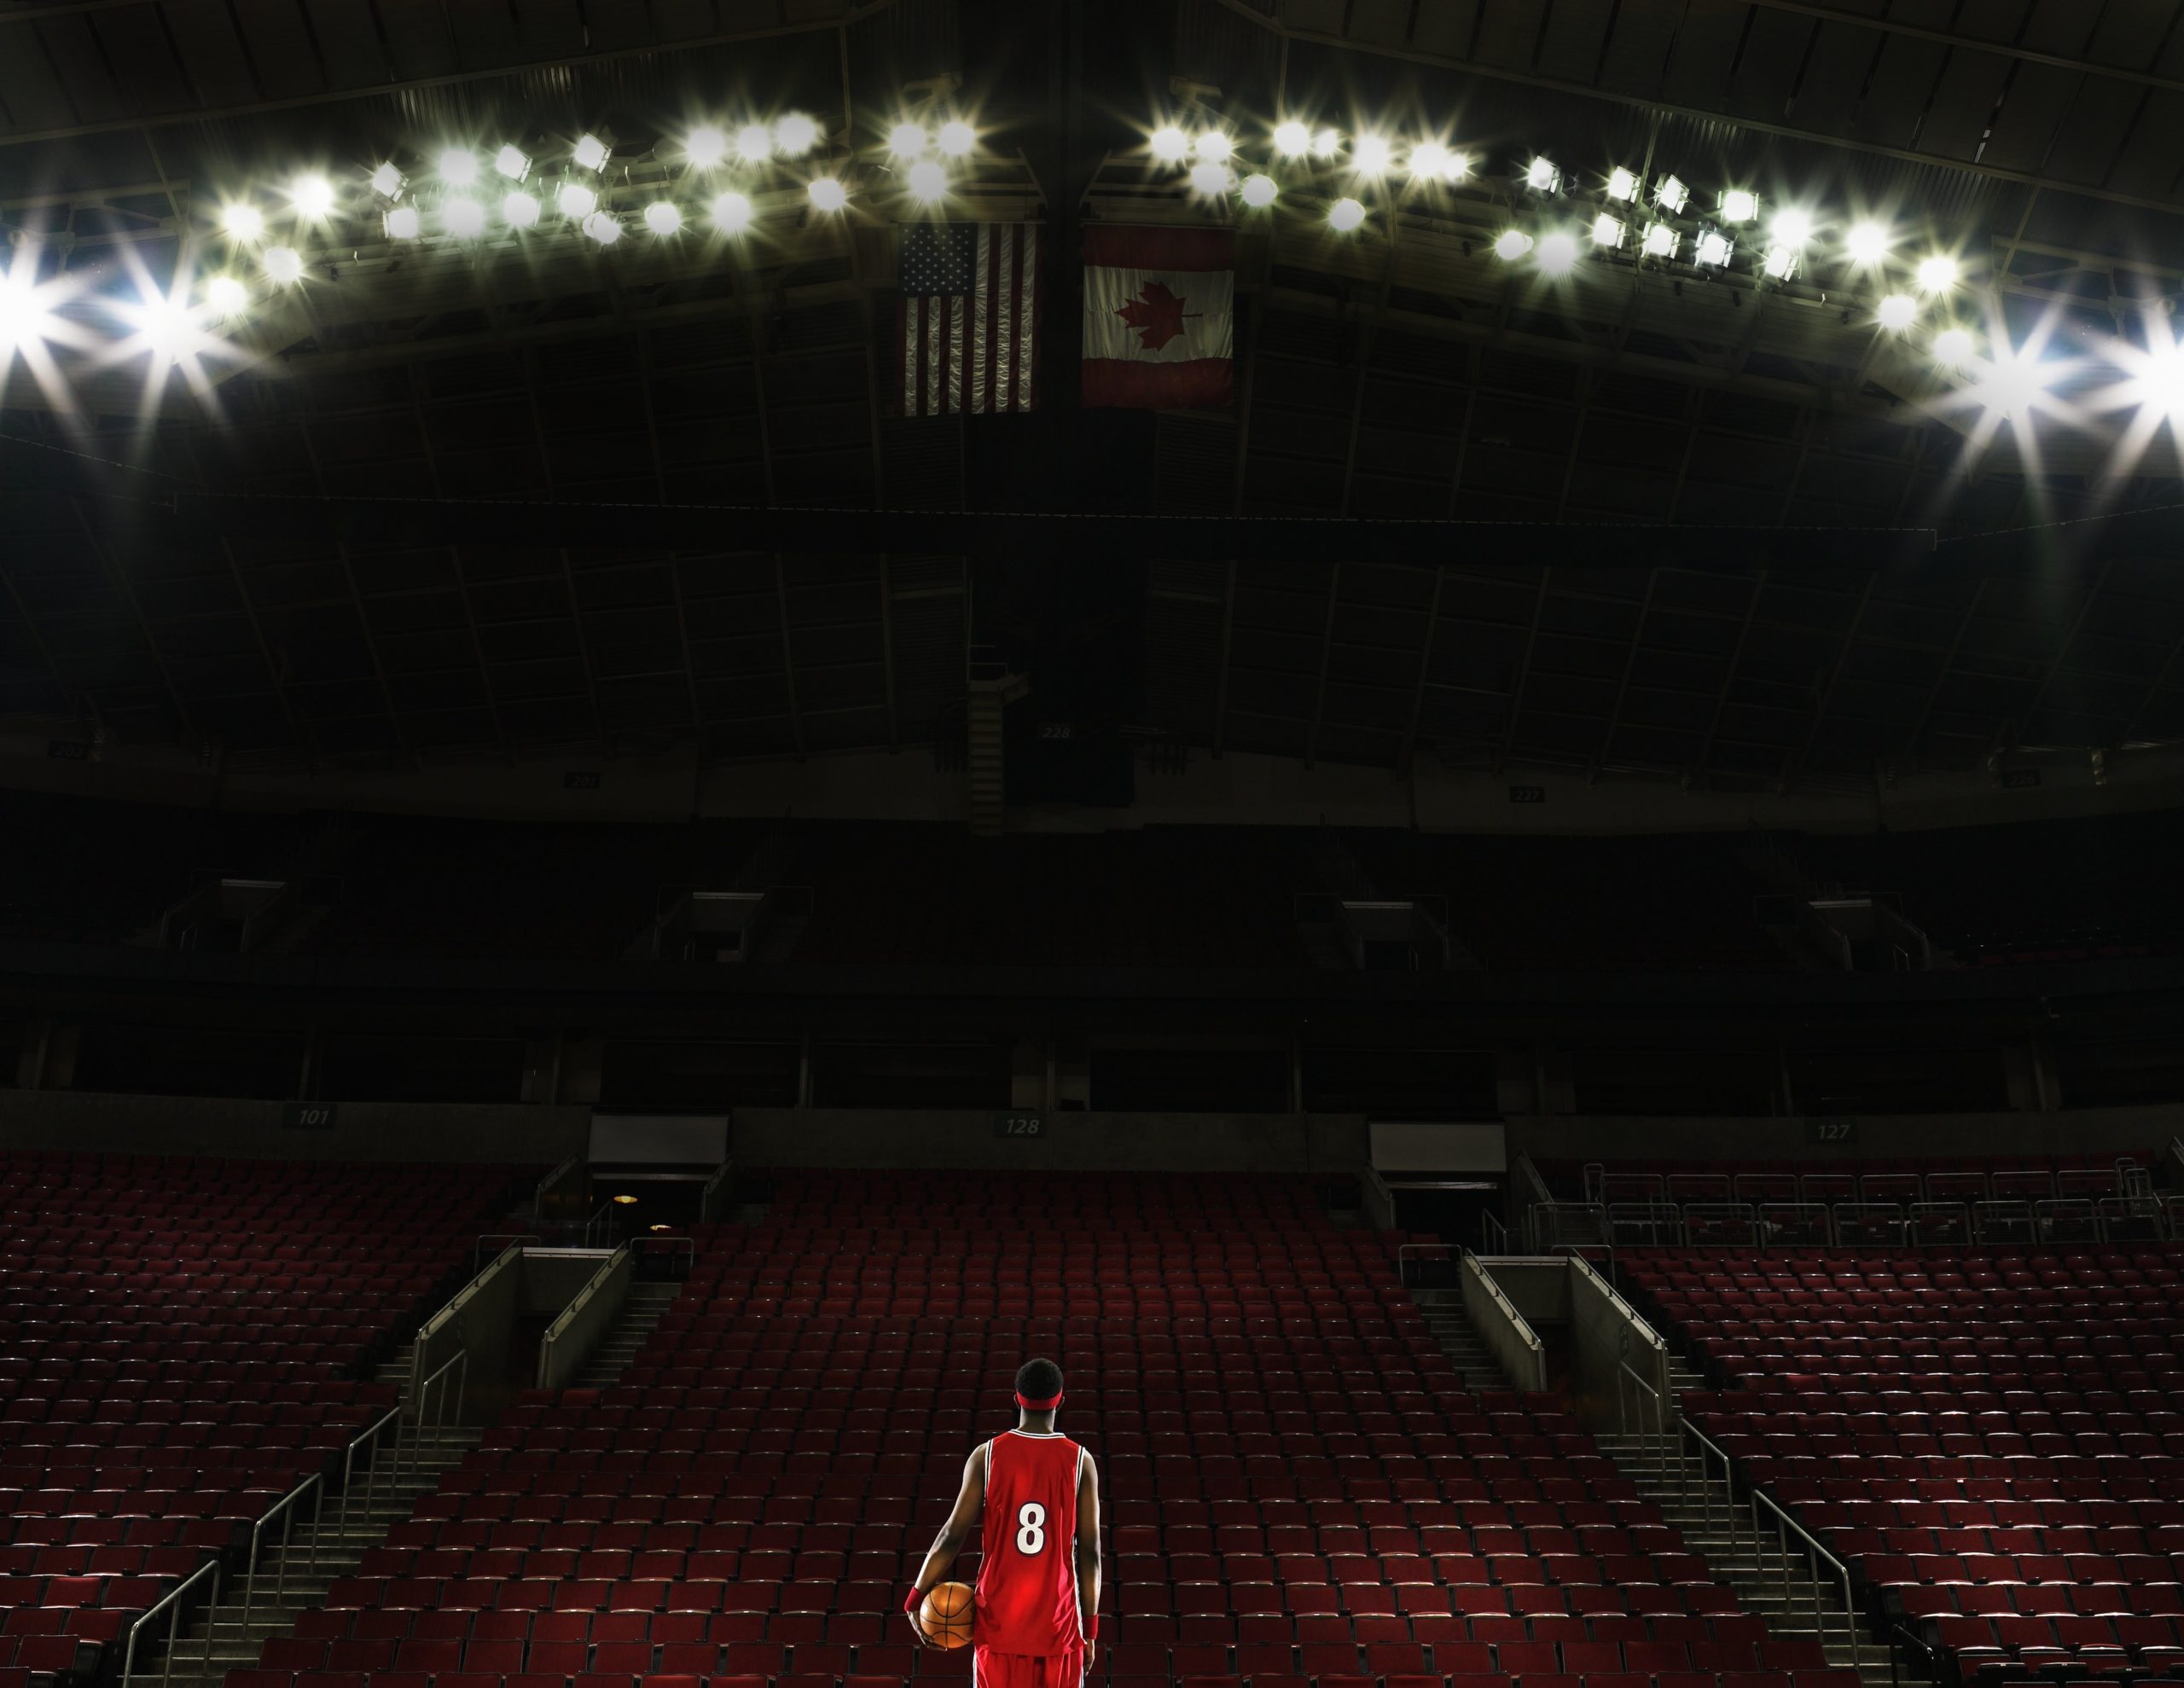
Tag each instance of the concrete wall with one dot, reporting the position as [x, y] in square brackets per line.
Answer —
[478, 1320]
[1548, 1137]
[760, 1137]
[1609, 1334]
[570, 1339]
[512, 1131]
[552, 1278]
[1538, 1286]
[1507, 1336]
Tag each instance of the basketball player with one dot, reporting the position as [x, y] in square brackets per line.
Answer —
[1038, 1593]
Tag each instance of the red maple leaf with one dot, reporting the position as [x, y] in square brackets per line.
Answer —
[1156, 314]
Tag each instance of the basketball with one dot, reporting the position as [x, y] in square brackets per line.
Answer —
[947, 1614]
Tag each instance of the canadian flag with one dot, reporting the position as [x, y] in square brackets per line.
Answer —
[1159, 317]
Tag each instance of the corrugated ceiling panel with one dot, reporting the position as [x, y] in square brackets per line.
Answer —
[2149, 163]
[1576, 31]
[1705, 47]
[1767, 68]
[2038, 98]
[1963, 101]
[1639, 49]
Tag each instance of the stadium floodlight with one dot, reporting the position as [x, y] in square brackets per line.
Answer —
[589, 152]
[463, 216]
[1936, 274]
[1170, 144]
[1793, 227]
[402, 222]
[576, 201]
[519, 210]
[1897, 312]
[227, 296]
[284, 265]
[1622, 185]
[796, 135]
[513, 163]
[1780, 261]
[705, 147]
[604, 227]
[1672, 194]
[1372, 155]
[1292, 139]
[1543, 176]
[663, 217]
[1457, 166]
[827, 193]
[1512, 244]
[1213, 146]
[1210, 179]
[753, 142]
[312, 197]
[243, 221]
[1740, 205]
[458, 167]
[1558, 252]
[1659, 241]
[907, 139]
[928, 180]
[1259, 191]
[1326, 142]
[957, 138]
[1428, 161]
[1607, 231]
[388, 182]
[1866, 243]
[1954, 347]
[1345, 215]
[1712, 249]
[731, 212]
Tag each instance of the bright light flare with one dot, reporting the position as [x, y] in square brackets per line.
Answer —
[1213, 147]
[907, 139]
[226, 296]
[519, 210]
[1210, 179]
[1952, 347]
[796, 135]
[513, 163]
[604, 227]
[1672, 196]
[1541, 176]
[1292, 139]
[1660, 240]
[1740, 205]
[589, 152]
[312, 197]
[1779, 262]
[1512, 244]
[1170, 144]
[753, 142]
[284, 266]
[1558, 254]
[705, 147]
[1345, 215]
[1429, 161]
[576, 201]
[731, 212]
[928, 181]
[1792, 228]
[1867, 242]
[1326, 142]
[1621, 184]
[463, 217]
[388, 182]
[458, 167]
[242, 223]
[1936, 274]
[663, 217]
[402, 222]
[1607, 231]
[1712, 249]
[957, 138]
[1372, 155]
[1897, 312]
[1259, 191]
[828, 194]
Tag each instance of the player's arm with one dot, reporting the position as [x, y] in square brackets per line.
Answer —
[1087, 1548]
[940, 1557]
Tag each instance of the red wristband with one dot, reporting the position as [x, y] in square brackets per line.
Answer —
[913, 1600]
[1091, 1626]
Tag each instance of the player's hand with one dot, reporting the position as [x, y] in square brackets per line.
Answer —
[1091, 1651]
[918, 1630]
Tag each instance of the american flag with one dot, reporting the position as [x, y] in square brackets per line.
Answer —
[968, 318]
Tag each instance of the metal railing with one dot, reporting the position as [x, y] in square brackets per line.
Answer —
[285, 1510]
[1901, 1639]
[1707, 1450]
[372, 1435]
[623, 1260]
[1650, 1223]
[685, 1246]
[172, 1602]
[1493, 1234]
[2013, 1222]
[705, 1209]
[1513, 1321]
[1561, 1225]
[458, 1363]
[1632, 1391]
[600, 1226]
[1407, 1252]
[1786, 1526]
[506, 1240]
[545, 1184]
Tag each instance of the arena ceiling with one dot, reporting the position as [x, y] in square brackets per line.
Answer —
[1403, 374]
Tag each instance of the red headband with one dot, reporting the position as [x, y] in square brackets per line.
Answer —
[1030, 1405]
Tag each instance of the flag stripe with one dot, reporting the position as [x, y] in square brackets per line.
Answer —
[981, 311]
[1027, 273]
[967, 319]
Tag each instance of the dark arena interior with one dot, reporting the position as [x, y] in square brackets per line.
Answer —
[1444, 737]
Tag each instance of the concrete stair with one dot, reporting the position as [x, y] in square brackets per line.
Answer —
[640, 1315]
[324, 1545]
[1460, 1339]
[1768, 1583]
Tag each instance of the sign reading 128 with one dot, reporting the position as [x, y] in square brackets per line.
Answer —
[1019, 1125]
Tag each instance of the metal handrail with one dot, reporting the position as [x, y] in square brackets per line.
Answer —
[371, 1434]
[1518, 1322]
[1630, 1316]
[705, 1195]
[1926, 1653]
[173, 1598]
[1707, 1445]
[1623, 1396]
[1488, 1228]
[538, 1196]
[685, 1246]
[459, 1362]
[476, 1251]
[1785, 1527]
[598, 1222]
[284, 1510]
[624, 1258]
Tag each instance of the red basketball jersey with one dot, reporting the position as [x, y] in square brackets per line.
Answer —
[1027, 1575]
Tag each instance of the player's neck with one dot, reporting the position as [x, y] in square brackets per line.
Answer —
[1036, 1423]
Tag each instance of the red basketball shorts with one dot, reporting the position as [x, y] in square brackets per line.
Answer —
[1028, 1670]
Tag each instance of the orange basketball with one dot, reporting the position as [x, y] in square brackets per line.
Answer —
[947, 1613]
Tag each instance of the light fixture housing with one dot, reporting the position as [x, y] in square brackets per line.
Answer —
[828, 194]
[1292, 139]
[1259, 191]
[589, 152]
[1672, 194]
[731, 212]
[1712, 249]
[1621, 184]
[1428, 161]
[1512, 244]
[1659, 241]
[1791, 227]
[1607, 231]
[1740, 205]
[1543, 176]
[957, 138]
[388, 182]
[604, 227]
[512, 162]
[1779, 262]
[1345, 215]
[402, 222]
